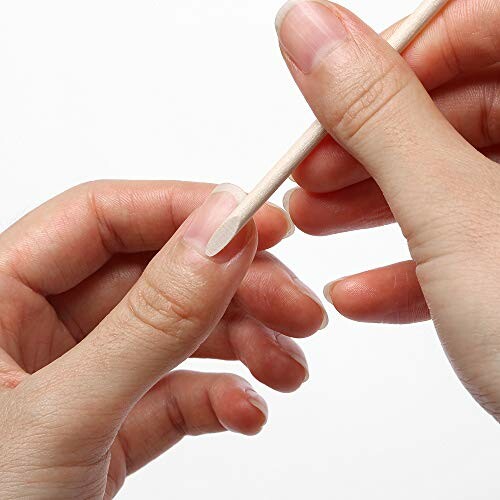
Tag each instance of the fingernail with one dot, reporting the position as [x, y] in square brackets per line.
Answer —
[294, 351]
[309, 293]
[221, 202]
[292, 179]
[291, 228]
[327, 291]
[309, 30]
[258, 402]
[289, 221]
[286, 199]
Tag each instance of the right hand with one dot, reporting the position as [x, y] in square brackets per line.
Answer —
[394, 157]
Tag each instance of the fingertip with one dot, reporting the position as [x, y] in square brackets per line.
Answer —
[242, 410]
[297, 355]
[285, 217]
[287, 198]
[349, 297]
[259, 411]
[282, 366]
[328, 289]
[339, 294]
[311, 316]
[274, 225]
[305, 210]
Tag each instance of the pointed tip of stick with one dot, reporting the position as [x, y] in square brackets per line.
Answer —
[223, 236]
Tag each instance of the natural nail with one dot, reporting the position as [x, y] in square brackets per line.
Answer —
[327, 291]
[211, 214]
[286, 215]
[309, 30]
[294, 351]
[286, 199]
[309, 293]
[258, 402]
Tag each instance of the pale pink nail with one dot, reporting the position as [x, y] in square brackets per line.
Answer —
[327, 291]
[258, 402]
[309, 30]
[294, 351]
[221, 202]
[307, 291]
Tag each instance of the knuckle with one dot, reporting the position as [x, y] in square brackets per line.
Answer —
[370, 96]
[110, 237]
[173, 413]
[162, 309]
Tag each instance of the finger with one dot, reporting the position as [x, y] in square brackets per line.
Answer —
[471, 104]
[68, 238]
[83, 307]
[387, 295]
[177, 302]
[361, 206]
[270, 292]
[329, 168]
[462, 38]
[368, 98]
[382, 114]
[276, 297]
[272, 358]
[185, 404]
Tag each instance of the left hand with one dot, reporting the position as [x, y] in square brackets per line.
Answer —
[85, 393]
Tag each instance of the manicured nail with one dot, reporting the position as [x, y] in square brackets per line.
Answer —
[309, 30]
[221, 202]
[294, 351]
[292, 179]
[258, 402]
[289, 221]
[307, 291]
[327, 291]
[286, 199]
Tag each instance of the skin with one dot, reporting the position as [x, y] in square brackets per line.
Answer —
[414, 140]
[92, 327]
[103, 294]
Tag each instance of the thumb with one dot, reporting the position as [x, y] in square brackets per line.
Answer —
[174, 306]
[370, 101]
[440, 189]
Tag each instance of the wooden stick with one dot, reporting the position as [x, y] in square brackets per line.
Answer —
[401, 38]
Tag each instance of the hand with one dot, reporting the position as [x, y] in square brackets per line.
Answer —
[101, 300]
[400, 154]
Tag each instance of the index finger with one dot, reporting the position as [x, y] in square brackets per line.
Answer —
[67, 239]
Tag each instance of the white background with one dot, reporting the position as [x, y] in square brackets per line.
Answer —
[197, 90]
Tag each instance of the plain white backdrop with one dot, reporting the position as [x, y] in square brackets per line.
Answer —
[197, 90]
